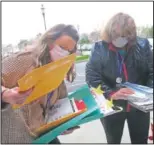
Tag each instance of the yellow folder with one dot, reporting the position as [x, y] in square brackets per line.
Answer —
[45, 79]
[56, 123]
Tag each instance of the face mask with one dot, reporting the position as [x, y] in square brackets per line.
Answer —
[57, 53]
[120, 42]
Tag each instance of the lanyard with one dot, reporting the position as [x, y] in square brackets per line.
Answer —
[49, 98]
[120, 62]
[121, 67]
[125, 71]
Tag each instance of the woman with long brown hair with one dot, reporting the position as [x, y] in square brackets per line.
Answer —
[18, 125]
[122, 56]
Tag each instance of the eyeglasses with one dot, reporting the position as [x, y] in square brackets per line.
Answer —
[70, 51]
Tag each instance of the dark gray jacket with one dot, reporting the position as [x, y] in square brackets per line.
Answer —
[102, 67]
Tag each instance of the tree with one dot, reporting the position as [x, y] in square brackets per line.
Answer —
[145, 31]
[7, 50]
[38, 36]
[94, 36]
[23, 43]
[84, 39]
[151, 32]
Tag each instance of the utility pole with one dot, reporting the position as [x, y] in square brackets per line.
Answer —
[43, 14]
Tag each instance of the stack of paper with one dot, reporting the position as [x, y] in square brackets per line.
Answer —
[62, 108]
[143, 97]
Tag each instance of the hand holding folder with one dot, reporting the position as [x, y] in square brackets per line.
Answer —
[142, 99]
[93, 112]
[45, 79]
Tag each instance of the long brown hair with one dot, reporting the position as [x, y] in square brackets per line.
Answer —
[120, 25]
[41, 50]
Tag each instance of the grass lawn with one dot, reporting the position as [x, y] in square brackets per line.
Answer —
[82, 58]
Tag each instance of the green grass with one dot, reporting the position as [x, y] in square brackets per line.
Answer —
[82, 58]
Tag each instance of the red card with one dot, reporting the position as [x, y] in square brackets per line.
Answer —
[80, 104]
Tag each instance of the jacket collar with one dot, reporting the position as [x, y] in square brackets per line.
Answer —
[111, 47]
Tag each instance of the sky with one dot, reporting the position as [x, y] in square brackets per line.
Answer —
[24, 20]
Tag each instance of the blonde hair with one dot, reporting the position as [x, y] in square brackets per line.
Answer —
[40, 50]
[120, 25]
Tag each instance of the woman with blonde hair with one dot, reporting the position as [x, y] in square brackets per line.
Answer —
[119, 57]
[18, 126]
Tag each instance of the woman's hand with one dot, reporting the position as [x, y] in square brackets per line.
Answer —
[70, 78]
[13, 96]
[71, 75]
[122, 94]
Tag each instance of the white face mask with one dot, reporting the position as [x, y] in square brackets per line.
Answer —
[120, 42]
[57, 53]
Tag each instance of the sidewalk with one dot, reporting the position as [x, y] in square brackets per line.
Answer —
[93, 133]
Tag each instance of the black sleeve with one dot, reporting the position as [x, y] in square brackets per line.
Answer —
[94, 71]
[149, 57]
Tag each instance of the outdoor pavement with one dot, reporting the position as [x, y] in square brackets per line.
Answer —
[92, 132]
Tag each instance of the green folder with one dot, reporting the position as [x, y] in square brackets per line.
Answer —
[92, 113]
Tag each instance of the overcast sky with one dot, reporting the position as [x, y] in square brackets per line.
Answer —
[23, 20]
